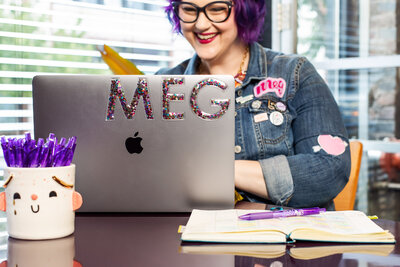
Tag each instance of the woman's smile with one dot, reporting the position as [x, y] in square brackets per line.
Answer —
[205, 38]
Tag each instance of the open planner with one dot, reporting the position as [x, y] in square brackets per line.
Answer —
[296, 251]
[224, 226]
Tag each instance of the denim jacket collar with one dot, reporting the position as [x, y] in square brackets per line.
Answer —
[257, 68]
[192, 65]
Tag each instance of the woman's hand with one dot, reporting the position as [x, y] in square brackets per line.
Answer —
[249, 177]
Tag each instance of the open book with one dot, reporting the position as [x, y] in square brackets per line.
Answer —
[271, 251]
[333, 226]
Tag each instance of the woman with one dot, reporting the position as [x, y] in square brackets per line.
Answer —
[291, 147]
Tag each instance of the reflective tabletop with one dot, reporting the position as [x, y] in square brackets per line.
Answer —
[151, 239]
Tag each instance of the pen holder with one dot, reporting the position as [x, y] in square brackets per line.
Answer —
[40, 203]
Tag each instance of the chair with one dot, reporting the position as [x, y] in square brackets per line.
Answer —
[346, 198]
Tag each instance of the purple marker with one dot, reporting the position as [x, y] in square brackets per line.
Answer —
[36, 159]
[25, 152]
[19, 153]
[281, 213]
[6, 150]
[11, 152]
[43, 155]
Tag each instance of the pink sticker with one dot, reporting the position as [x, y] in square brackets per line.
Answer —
[277, 85]
[332, 145]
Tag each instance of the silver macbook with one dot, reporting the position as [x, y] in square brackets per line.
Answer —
[144, 143]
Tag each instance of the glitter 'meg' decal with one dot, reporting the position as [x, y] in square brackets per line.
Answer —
[223, 103]
[167, 97]
[116, 90]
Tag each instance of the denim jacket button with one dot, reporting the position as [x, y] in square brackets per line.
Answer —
[238, 149]
[256, 104]
[239, 92]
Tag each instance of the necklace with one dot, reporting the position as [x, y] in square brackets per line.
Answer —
[239, 77]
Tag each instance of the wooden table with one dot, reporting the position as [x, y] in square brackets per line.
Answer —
[151, 239]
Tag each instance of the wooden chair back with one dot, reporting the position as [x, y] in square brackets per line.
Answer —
[346, 198]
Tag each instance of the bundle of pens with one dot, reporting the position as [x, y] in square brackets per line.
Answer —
[26, 152]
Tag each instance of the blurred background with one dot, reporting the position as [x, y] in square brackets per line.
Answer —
[354, 44]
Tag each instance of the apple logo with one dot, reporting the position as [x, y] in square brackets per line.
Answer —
[133, 145]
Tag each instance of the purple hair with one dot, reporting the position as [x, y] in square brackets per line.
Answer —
[249, 17]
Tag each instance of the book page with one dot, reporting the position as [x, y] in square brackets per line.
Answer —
[306, 253]
[249, 250]
[225, 226]
[337, 222]
[214, 221]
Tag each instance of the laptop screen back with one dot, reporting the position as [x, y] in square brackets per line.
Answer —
[144, 143]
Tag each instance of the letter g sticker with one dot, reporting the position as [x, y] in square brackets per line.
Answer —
[223, 103]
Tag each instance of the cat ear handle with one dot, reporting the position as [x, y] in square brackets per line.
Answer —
[3, 206]
[76, 201]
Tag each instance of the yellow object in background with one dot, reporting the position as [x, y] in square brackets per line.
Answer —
[118, 64]
[238, 197]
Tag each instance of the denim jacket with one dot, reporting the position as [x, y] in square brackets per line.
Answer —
[287, 119]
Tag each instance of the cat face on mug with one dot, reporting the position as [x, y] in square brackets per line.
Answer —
[48, 195]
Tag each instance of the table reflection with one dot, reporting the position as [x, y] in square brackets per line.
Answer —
[300, 254]
[150, 239]
[38, 253]
[137, 240]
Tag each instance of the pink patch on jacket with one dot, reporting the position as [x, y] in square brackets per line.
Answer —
[332, 145]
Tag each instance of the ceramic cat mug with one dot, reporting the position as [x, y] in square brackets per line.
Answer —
[40, 203]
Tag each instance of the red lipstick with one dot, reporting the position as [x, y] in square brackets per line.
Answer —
[206, 38]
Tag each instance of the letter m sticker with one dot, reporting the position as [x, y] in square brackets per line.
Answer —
[116, 91]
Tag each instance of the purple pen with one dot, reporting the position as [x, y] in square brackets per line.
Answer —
[25, 152]
[19, 152]
[11, 152]
[28, 137]
[65, 152]
[6, 151]
[43, 155]
[30, 157]
[281, 213]
[71, 150]
[50, 154]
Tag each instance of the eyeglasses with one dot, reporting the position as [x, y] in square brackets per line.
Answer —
[217, 11]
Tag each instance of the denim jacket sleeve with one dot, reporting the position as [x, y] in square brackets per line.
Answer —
[317, 165]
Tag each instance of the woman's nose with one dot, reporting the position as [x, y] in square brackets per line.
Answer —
[34, 196]
[202, 21]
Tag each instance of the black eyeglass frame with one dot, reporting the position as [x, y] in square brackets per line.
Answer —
[201, 9]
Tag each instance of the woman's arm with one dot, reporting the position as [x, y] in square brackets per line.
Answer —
[249, 177]
[317, 168]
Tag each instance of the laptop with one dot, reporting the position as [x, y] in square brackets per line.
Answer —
[144, 143]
